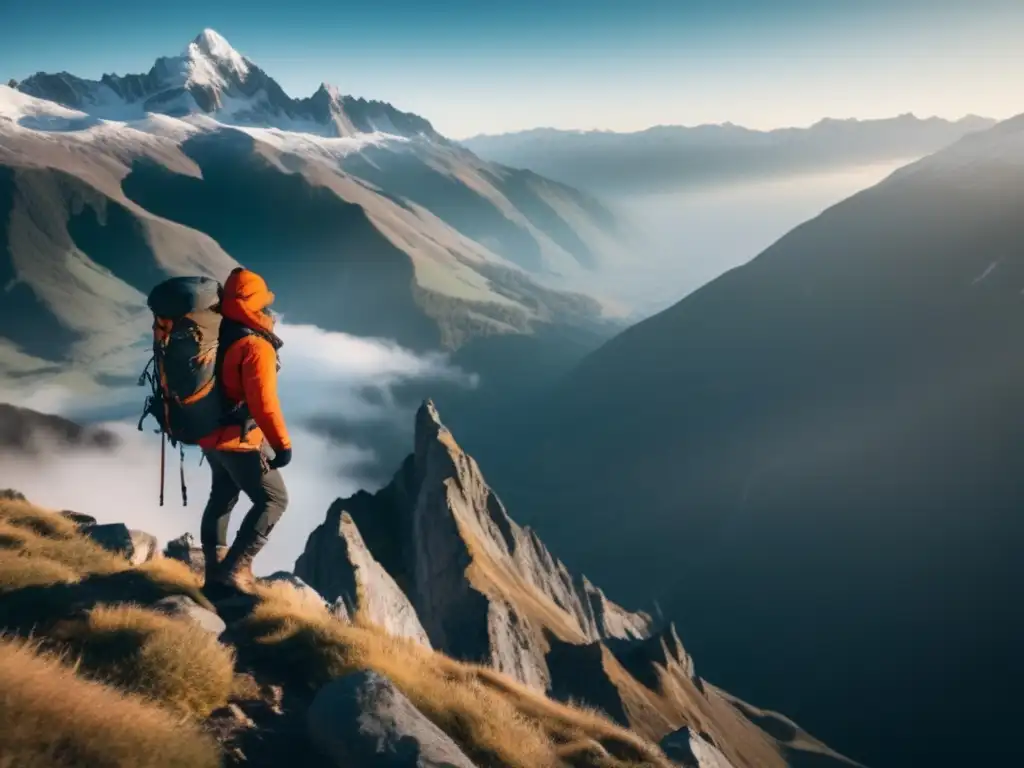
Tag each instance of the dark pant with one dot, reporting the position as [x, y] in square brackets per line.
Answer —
[245, 472]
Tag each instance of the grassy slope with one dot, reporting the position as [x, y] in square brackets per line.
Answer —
[128, 664]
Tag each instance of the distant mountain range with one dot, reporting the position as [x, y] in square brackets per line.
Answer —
[212, 78]
[669, 157]
[817, 457]
[363, 219]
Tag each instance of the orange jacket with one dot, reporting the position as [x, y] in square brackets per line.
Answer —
[249, 372]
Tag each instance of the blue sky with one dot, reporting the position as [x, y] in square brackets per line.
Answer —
[473, 66]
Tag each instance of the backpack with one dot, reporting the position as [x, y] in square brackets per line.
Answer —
[186, 399]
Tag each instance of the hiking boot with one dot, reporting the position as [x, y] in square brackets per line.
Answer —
[213, 561]
[234, 573]
[212, 558]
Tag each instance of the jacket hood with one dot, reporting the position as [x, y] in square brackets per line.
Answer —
[245, 297]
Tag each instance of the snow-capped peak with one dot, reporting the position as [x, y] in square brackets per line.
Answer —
[211, 79]
[210, 47]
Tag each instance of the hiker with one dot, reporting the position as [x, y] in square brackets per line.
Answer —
[238, 453]
[213, 380]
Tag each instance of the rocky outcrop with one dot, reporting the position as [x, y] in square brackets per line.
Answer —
[482, 587]
[435, 551]
[184, 549]
[648, 684]
[693, 750]
[347, 575]
[643, 658]
[364, 720]
[609, 619]
[137, 546]
[579, 673]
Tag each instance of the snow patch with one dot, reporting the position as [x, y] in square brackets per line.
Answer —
[319, 147]
[208, 61]
[217, 48]
[17, 106]
[26, 112]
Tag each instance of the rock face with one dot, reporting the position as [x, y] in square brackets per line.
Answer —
[346, 574]
[363, 720]
[137, 546]
[663, 650]
[693, 750]
[481, 587]
[434, 556]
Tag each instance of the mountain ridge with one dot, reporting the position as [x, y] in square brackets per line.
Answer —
[975, 121]
[833, 429]
[465, 257]
[212, 78]
[678, 157]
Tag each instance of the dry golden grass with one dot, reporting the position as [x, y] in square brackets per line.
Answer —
[171, 576]
[497, 721]
[49, 572]
[77, 552]
[19, 572]
[168, 660]
[22, 514]
[53, 718]
[40, 548]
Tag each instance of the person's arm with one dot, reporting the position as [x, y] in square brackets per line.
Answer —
[259, 379]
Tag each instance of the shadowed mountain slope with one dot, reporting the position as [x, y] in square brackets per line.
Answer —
[815, 459]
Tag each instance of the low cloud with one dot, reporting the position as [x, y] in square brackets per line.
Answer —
[326, 377]
[327, 373]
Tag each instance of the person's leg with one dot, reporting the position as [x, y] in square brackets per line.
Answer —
[266, 488]
[213, 529]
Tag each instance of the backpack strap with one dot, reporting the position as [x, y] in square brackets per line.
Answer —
[237, 413]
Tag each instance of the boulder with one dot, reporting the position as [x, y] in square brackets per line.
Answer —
[137, 546]
[184, 549]
[364, 720]
[693, 750]
[145, 547]
[184, 607]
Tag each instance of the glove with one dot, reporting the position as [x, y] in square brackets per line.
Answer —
[282, 458]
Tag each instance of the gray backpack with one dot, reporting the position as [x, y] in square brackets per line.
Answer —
[186, 399]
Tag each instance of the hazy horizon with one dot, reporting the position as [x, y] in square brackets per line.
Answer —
[724, 124]
[483, 69]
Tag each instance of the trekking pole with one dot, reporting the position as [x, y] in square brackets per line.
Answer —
[163, 461]
[181, 469]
